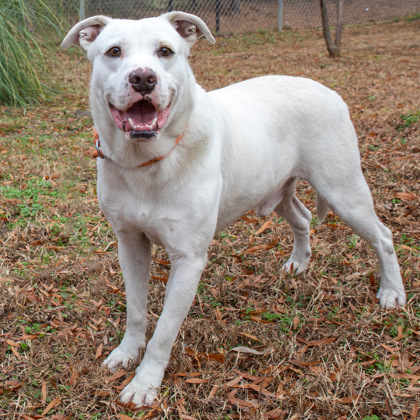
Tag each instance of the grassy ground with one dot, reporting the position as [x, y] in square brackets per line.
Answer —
[257, 343]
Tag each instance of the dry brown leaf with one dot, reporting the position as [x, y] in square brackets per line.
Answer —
[241, 349]
[16, 353]
[414, 411]
[116, 376]
[162, 262]
[99, 351]
[29, 336]
[196, 381]
[44, 392]
[36, 243]
[252, 337]
[405, 361]
[212, 393]
[12, 343]
[322, 342]
[262, 247]
[348, 400]
[265, 226]
[218, 314]
[405, 196]
[389, 348]
[242, 403]
[212, 357]
[162, 279]
[317, 369]
[127, 380]
[12, 385]
[56, 401]
[400, 335]
[181, 374]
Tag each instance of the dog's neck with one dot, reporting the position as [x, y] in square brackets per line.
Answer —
[98, 153]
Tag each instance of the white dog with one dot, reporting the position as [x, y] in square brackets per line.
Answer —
[180, 164]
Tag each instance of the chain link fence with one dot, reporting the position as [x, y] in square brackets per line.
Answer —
[229, 16]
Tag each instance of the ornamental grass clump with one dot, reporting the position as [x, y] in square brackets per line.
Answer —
[24, 70]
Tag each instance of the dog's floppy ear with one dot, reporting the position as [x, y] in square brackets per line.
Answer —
[85, 32]
[190, 27]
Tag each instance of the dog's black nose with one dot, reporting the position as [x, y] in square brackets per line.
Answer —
[143, 80]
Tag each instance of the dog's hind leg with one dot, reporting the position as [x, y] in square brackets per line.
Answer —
[299, 219]
[347, 193]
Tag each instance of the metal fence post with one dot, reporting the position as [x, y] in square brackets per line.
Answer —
[82, 9]
[280, 16]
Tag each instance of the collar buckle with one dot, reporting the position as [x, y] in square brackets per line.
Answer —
[98, 149]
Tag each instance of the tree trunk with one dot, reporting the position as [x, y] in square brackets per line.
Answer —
[332, 47]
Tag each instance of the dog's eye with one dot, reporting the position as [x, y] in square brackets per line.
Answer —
[165, 52]
[114, 52]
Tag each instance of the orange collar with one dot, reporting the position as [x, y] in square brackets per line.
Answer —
[98, 152]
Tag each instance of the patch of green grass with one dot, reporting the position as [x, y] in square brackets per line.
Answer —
[353, 240]
[408, 240]
[333, 312]
[228, 235]
[408, 120]
[412, 18]
[27, 198]
[284, 321]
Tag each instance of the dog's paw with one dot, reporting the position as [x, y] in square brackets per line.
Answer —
[391, 298]
[138, 395]
[295, 266]
[144, 387]
[121, 357]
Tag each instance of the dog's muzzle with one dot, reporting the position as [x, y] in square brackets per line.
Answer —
[144, 118]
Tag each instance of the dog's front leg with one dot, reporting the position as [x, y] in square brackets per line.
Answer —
[181, 288]
[135, 257]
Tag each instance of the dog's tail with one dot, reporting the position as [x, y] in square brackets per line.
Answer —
[322, 208]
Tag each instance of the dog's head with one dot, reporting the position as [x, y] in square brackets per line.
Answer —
[139, 67]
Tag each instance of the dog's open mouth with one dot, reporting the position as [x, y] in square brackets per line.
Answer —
[141, 120]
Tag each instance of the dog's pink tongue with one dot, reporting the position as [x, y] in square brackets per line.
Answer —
[141, 113]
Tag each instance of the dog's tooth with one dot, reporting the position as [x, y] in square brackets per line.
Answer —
[153, 123]
[131, 123]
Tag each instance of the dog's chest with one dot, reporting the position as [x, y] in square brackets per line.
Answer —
[132, 205]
